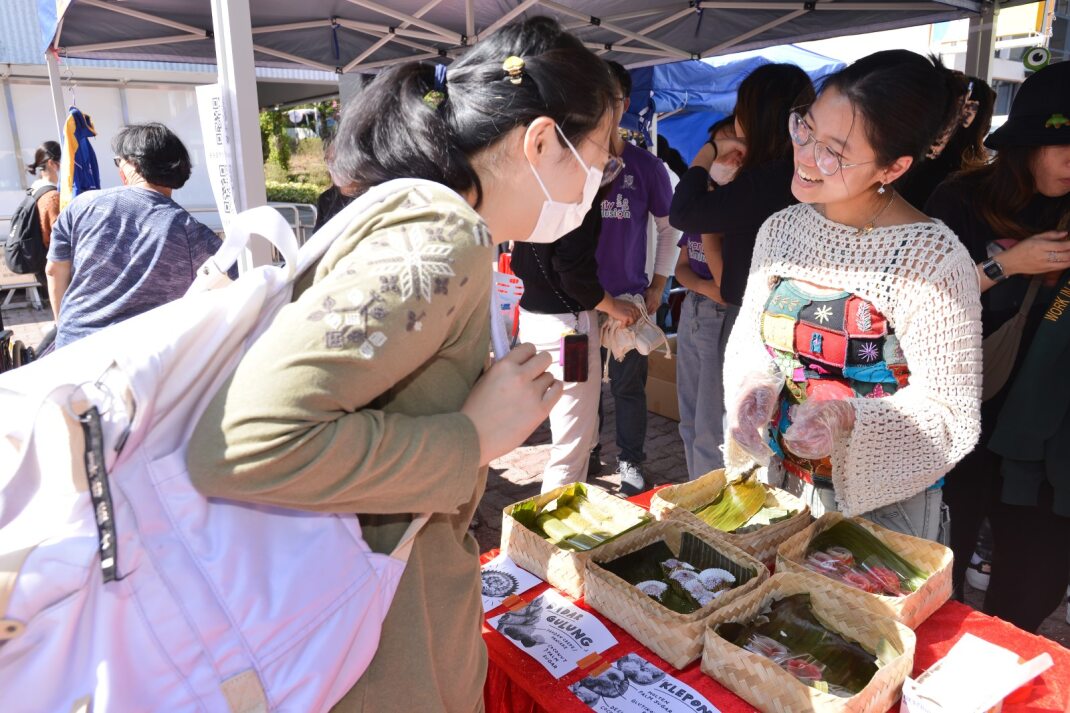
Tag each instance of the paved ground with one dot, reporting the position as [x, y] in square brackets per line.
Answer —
[516, 476]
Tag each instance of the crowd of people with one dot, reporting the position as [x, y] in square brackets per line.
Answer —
[872, 316]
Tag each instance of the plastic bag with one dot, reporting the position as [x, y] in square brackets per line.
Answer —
[816, 426]
[751, 414]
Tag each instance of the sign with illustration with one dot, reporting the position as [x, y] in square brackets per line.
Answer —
[631, 684]
[502, 579]
[555, 632]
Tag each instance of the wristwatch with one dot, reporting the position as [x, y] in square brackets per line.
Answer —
[994, 270]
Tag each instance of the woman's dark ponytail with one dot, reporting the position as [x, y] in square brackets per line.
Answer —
[389, 131]
[48, 151]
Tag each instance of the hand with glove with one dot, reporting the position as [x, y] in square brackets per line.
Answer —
[816, 426]
[748, 420]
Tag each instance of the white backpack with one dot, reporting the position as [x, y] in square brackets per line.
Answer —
[130, 591]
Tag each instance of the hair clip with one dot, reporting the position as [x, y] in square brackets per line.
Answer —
[436, 96]
[514, 66]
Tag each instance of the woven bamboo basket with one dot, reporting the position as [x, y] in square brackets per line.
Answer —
[928, 556]
[680, 501]
[563, 569]
[767, 686]
[675, 637]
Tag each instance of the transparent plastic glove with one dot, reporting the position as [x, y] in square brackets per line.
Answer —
[748, 420]
[816, 426]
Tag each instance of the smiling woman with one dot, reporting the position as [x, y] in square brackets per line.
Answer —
[854, 366]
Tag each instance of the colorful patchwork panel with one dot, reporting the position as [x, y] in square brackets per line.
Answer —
[863, 352]
[893, 353]
[874, 391]
[821, 345]
[864, 320]
[778, 331]
[902, 374]
[878, 373]
[829, 390]
[828, 314]
[785, 302]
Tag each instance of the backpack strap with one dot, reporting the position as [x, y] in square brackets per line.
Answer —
[404, 546]
[36, 195]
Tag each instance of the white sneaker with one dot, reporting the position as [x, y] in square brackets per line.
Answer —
[978, 573]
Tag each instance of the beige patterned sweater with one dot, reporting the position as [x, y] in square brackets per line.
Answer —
[923, 280]
[349, 402]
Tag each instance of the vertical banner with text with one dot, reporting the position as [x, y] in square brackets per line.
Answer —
[217, 150]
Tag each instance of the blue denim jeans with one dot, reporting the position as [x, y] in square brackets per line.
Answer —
[700, 346]
[627, 383]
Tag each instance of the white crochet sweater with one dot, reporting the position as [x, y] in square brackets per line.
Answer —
[923, 280]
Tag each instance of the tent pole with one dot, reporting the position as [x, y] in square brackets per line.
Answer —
[237, 78]
[981, 42]
[56, 84]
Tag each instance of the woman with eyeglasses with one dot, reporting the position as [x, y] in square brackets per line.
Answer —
[370, 392]
[735, 211]
[854, 369]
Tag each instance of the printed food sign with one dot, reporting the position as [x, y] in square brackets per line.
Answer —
[502, 579]
[554, 632]
[634, 685]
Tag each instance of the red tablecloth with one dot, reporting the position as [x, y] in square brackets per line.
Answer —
[516, 683]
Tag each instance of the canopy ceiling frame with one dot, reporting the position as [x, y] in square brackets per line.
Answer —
[378, 35]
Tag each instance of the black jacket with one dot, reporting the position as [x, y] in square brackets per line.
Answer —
[562, 276]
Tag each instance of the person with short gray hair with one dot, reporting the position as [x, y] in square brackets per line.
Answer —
[121, 251]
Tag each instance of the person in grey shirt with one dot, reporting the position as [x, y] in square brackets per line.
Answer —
[118, 252]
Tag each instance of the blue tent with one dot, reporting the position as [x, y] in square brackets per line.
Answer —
[698, 93]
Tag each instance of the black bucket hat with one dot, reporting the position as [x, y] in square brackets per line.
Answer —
[1040, 114]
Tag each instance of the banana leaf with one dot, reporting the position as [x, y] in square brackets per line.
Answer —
[866, 547]
[846, 667]
[737, 503]
[765, 516]
[572, 522]
[648, 564]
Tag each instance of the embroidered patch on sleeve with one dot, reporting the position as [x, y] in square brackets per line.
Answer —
[415, 260]
[351, 326]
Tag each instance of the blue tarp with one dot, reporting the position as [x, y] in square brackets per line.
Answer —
[703, 91]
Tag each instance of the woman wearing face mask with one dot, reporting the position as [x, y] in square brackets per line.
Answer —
[737, 210]
[854, 367]
[365, 394]
[562, 295]
[1012, 217]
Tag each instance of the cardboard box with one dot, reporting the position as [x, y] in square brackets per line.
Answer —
[661, 383]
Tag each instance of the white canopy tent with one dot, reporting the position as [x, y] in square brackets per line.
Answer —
[363, 36]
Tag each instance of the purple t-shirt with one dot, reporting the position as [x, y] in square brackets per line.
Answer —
[642, 189]
[696, 258]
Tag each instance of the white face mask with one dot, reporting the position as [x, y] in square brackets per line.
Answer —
[558, 219]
